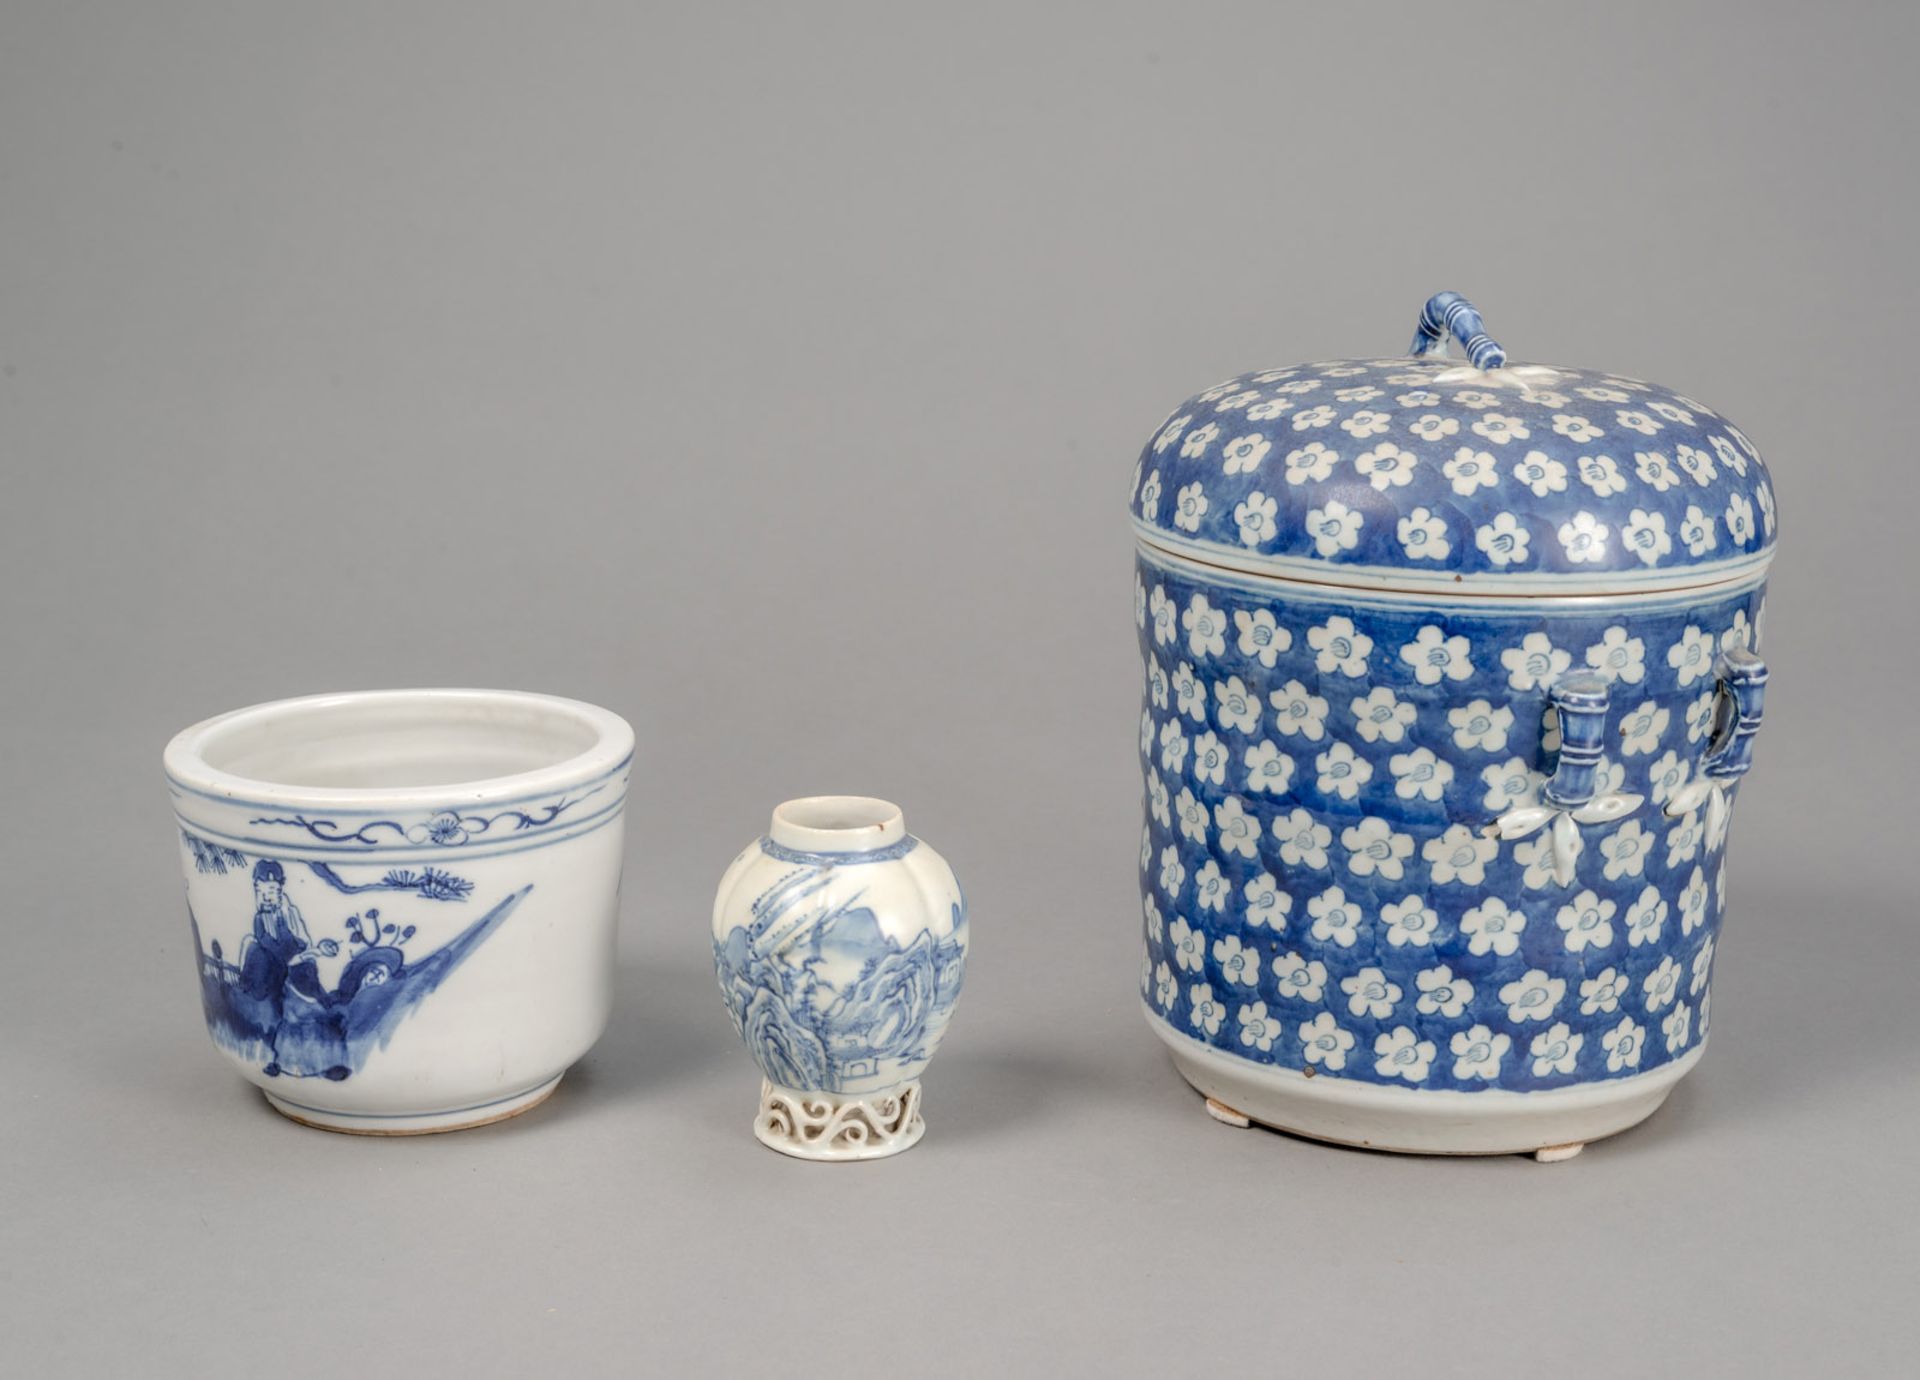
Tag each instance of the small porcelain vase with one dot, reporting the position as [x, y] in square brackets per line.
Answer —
[839, 940]
[403, 902]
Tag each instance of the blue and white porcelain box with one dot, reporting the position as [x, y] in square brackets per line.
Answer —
[1452, 676]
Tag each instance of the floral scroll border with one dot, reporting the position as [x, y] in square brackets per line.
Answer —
[442, 829]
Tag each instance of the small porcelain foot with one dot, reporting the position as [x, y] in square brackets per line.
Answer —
[414, 1124]
[1553, 1154]
[823, 1126]
[1226, 1115]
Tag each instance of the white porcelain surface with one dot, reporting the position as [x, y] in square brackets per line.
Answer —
[404, 902]
[840, 942]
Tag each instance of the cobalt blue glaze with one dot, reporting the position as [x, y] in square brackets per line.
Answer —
[1448, 313]
[1398, 469]
[1580, 705]
[285, 1003]
[1450, 684]
[1745, 676]
[806, 1031]
[1322, 769]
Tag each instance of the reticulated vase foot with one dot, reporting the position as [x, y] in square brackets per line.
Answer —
[827, 1126]
[1226, 1115]
[1554, 1154]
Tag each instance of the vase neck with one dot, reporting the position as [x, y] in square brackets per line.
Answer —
[837, 824]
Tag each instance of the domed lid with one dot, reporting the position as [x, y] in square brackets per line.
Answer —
[1487, 477]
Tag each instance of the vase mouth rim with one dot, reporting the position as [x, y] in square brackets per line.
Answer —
[385, 749]
[837, 824]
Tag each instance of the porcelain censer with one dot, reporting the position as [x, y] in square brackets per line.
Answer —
[1452, 675]
[403, 902]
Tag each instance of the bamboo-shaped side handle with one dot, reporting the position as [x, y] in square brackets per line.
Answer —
[1582, 704]
[1743, 676]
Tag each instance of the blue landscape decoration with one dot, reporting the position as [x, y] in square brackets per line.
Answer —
[809, 1032]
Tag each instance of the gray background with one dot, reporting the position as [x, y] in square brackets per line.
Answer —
[774, 378]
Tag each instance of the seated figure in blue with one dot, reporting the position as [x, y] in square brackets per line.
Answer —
[274, 1006]
[278, 940]
[281, 981]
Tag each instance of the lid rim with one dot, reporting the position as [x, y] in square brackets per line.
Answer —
[1534, 585]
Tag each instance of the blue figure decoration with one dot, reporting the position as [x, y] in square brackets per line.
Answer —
[274, 1006]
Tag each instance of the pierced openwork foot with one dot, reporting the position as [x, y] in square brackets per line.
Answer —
[1226, 1115]
[1554, 1154]
[823, 1126]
